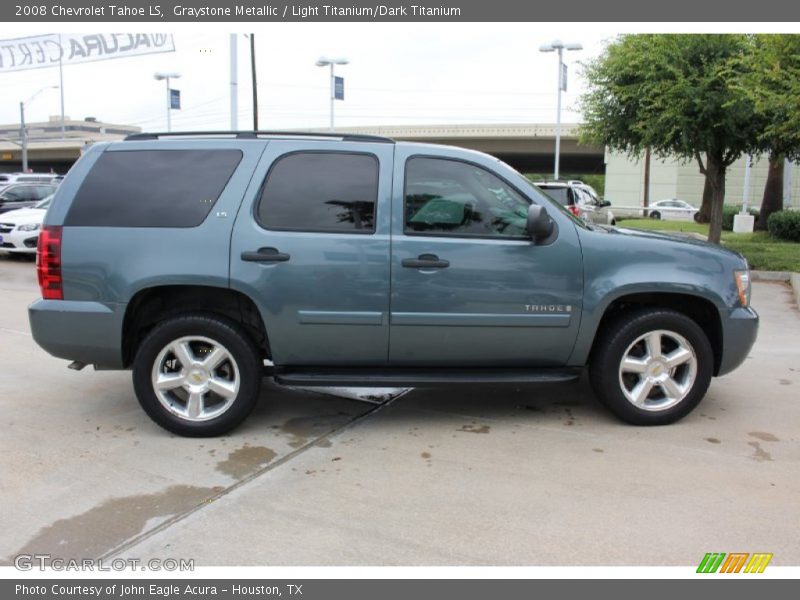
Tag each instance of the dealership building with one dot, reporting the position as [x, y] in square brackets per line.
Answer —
[682, 179]
[53, 145]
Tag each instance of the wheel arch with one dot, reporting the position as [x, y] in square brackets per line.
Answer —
[153, 305]
[701, 310]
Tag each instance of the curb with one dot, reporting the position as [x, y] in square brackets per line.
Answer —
[793, 279]
[784, 276]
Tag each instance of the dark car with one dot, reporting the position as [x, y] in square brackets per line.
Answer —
[24, 195]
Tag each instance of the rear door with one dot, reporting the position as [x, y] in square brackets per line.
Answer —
[311, 246]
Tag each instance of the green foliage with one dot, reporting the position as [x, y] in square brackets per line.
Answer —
[728, 212]
[679, 96]
[770, 77]
[669, 226]
[785, 225]
[673, 93]
[762, 251]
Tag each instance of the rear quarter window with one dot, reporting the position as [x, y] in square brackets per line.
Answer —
[152, 188]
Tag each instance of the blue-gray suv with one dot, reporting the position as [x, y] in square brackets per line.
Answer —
[205, 261]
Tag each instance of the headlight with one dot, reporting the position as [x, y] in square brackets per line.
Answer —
[29, 227]
[743, 286]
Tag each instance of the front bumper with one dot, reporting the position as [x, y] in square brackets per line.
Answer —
[88, 332]
[739, 331]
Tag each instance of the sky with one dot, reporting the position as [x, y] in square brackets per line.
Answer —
[399, 73]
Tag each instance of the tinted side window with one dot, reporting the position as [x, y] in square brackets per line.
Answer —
[152, 188]
[451, 197]
[320, 191]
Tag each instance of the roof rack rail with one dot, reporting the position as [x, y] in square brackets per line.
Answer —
[252, 135]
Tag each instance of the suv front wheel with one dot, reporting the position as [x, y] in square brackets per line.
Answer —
[197, 375]
[652, 366]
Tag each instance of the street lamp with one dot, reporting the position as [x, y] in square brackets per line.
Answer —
[324, 62]
[23, 131]
[166, 77]
[558, 45]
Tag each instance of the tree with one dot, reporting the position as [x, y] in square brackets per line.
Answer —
[771, 79]
[676, 94]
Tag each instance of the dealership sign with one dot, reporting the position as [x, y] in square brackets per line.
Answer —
[70, 48]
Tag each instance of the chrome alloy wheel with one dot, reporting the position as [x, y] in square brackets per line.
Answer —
[195, 378]
[658, 370]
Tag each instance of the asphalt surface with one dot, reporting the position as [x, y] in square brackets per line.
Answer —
[461, 476]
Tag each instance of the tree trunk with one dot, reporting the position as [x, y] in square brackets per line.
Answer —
[704, 216]
[715, 173]
[773, 190]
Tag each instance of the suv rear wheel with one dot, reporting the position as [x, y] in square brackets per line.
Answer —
[197, 375]
[652, 366]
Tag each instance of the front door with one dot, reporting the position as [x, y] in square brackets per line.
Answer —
[469, 286]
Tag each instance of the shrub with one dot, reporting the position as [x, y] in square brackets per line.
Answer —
[785, 225]
[728, 212]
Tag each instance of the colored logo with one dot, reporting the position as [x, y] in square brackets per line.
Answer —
[735, 562]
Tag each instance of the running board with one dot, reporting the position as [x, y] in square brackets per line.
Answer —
[410, 377]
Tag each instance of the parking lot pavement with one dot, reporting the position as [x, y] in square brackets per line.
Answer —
[465, 475]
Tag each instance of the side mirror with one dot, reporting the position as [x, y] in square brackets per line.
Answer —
[605, 203]
[539, 225]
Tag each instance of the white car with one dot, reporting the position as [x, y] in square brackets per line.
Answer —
[19, 229]
[672, 210]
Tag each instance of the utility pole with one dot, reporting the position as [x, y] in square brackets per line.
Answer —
[234, 84]
[61, 84]
[325, 62]
[255, 82]
[23, 134]
[559, 47]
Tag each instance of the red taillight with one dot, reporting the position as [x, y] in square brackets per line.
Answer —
[48, 263]
[573, 208]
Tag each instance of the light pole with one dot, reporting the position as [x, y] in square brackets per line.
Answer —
[23, 131]
[166, 77]
[562, 86]
[234, 83]
[324, 62]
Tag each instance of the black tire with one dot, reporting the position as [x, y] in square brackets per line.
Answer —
[615, 342]
[243, 364]
[697, 217]
[655, 215]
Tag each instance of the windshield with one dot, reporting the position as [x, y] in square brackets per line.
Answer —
[45, 202]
